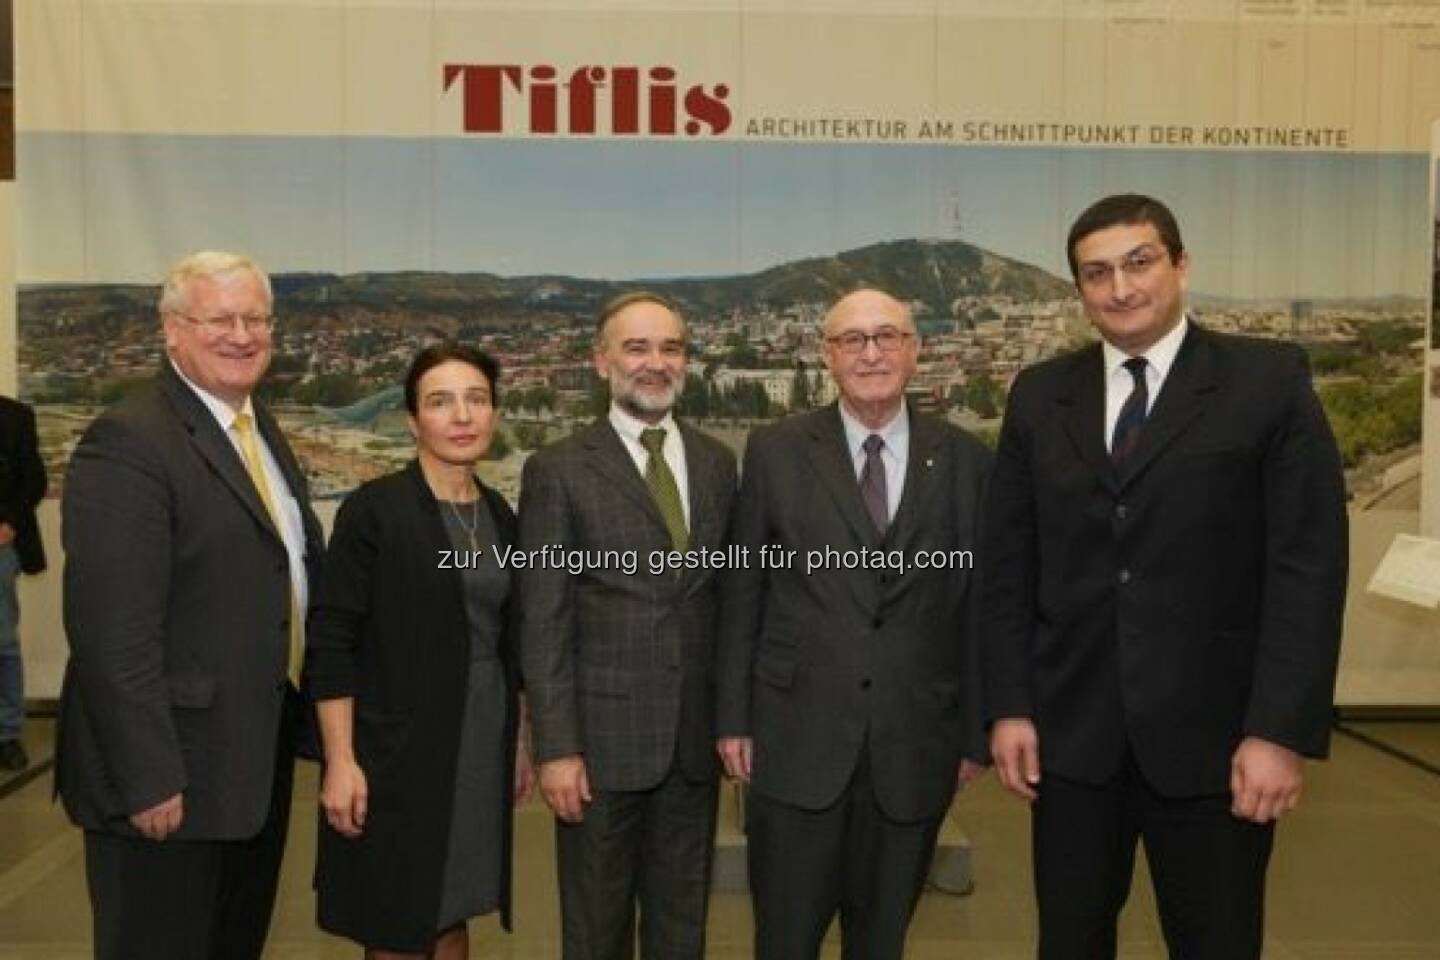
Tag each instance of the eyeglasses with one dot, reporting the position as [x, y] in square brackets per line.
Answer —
[221, 324]
[1134, 264]
[887, 340]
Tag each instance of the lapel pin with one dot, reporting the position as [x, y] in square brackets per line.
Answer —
[929, 462]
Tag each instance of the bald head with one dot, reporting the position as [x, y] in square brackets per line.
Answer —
[865, 305]
[871, 350]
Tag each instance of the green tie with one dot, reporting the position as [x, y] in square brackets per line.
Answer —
[662, 487]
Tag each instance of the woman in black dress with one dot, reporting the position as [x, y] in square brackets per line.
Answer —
[412, 670]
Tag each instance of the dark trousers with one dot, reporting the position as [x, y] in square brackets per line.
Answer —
[807, 864]
[654, 846]
[1208, 868]
[191, 899]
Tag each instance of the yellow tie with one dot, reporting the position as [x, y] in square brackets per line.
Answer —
[245, 430]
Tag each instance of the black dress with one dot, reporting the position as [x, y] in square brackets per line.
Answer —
[422, 646]
[473, 861]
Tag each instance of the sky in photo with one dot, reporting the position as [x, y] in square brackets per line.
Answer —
[104, 207]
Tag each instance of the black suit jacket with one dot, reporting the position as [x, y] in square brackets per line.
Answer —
[177, 612]
[814, 666]
[389, 628]
[618, 665]
[1182, 603]
[22, 481]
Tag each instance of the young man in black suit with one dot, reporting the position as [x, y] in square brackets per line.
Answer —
[22, 486]
[1165, 569]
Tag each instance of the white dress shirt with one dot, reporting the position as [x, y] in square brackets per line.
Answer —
[894, 454]
[673, 450]
[292, 526]
[1119, 382]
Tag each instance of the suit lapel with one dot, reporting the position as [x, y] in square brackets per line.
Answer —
[611, 460]
[293, 474]
[212, 444]
[1181, 400]
[701, 478]
[830, 457]
[920, 484]
[1083, 412]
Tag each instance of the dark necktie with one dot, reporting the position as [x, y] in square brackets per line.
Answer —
[1132, 414]
[872, 483]
[663, 487]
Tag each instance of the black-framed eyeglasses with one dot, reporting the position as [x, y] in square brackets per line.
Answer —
[886, 339]
[223, 323]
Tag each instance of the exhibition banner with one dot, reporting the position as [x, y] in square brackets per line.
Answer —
[414, 169]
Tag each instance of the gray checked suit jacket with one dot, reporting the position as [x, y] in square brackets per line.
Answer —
[618, 666]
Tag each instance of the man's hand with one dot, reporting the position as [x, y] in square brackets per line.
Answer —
[1016, 749]
[345, 797]
[1265, 780]
[566, 787]
[7, 534]
[161, 820]
[736, 753]
[970, 771]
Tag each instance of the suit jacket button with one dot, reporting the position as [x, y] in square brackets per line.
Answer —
[1121, 511]
[865, 684]
[878, 622]
[1125, 576]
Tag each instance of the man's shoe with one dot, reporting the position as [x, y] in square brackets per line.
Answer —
[13, 755]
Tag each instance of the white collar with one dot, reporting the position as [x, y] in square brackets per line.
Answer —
[630, 426]
[1161, 354]
[224, 414]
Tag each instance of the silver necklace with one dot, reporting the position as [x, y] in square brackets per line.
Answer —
[474, 524]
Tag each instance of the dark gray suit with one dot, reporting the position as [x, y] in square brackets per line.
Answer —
[177, 612]
[858, 686]
[618, 668]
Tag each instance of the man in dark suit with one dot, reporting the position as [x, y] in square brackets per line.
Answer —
[189, 545]
[847, 687]
[1165, 577]
[22, 486]
[617, 654]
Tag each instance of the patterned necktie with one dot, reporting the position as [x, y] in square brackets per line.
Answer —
[244, 427]
[872, 484]
[663, 488]
[1132, 414]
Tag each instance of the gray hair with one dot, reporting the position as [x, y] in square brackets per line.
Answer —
[175, 292]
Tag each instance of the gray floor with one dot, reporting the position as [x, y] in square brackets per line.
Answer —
[1356, 875]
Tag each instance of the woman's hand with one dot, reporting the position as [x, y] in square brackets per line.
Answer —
[345, 797]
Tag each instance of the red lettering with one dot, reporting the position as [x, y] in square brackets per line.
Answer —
[582, 98]
[625, 108]
[705, 108]
[662, 101]
[543, 110]
[485, 88]
[482, 94]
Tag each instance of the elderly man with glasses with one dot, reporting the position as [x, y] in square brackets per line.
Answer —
[190, 546]
[846, 688]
